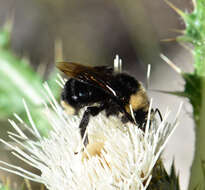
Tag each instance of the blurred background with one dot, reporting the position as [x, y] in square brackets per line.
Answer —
[93, 32]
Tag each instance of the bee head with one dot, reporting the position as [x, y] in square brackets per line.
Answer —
[138, 106]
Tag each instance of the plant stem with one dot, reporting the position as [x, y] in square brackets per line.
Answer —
[197, 178]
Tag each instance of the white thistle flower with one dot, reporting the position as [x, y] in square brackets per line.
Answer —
[118, 156]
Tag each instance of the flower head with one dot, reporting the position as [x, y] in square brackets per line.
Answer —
[118, 156]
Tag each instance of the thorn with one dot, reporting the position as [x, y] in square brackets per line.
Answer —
[161, 91]
[177, 10]
[9, 22]
[169, 40]
[176, 93]
[177, 30]
[41, 69]
[186, 47]
[170, 63]
[58, 50]
[194, 3]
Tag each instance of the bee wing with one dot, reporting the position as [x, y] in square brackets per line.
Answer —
[98, 76]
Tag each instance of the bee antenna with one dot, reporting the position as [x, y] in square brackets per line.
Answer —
[148, 76]
[159, 113]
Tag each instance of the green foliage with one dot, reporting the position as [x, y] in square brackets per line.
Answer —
[5, 36]
[161, 180]
[193, 91]
[195, 34]
[26, 185]
[5, 188]
[19, 81]
[6, 185]
[194, 88]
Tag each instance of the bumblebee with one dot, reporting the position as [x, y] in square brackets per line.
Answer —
[101, 88]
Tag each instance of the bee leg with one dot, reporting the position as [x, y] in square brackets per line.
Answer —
[159, 113]
[85, 120]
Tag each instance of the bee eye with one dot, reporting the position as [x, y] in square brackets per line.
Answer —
[81, 94]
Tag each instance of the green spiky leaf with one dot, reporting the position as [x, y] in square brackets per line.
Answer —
[162, 180]
[195, 34]
[19, 81]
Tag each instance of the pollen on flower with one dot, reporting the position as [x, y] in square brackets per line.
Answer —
[93, 149]
[118, 156]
